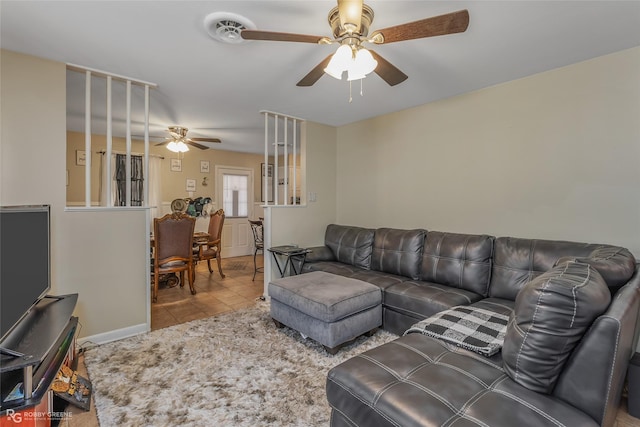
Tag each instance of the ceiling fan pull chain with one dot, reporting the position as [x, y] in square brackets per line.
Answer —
[361, 80]
[350, 97]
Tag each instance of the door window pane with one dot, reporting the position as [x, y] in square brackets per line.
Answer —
[234, 197]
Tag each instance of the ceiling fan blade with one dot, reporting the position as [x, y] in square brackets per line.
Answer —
[315, 74]
[387, 71]
[450, 23]
[350, 12]
[195, 144]
[162, 143]
[281, 37]
[206, 139]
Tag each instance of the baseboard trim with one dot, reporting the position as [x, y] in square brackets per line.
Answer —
[114, 335]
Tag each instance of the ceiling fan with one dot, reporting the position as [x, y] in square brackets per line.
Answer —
[350, 22]
[178, 141]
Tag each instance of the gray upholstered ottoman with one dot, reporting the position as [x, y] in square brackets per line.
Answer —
[333, 310]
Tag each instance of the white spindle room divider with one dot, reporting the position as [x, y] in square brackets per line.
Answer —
[89, 74]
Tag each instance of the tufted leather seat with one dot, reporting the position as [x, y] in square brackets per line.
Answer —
[412, 301]
[419, 381]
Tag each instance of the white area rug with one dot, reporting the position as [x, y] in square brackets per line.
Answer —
[235, 369]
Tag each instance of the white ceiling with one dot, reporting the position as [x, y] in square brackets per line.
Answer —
[218, 89]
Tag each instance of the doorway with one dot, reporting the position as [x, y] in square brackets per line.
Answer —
[234, 192]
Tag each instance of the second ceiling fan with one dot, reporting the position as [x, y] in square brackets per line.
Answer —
[178, 140]
[350, 22]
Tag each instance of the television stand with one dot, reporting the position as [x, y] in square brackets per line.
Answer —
[33, 352]
[56, 297]
[12, 353]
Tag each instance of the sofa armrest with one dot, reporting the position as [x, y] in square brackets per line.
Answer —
[599, 363]
[320, 253]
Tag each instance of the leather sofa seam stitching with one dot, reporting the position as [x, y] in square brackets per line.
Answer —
[527, 404]
[370, 405]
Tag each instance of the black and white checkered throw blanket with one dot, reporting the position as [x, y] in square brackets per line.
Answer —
[475, 329]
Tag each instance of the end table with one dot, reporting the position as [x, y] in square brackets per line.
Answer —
[290, 253]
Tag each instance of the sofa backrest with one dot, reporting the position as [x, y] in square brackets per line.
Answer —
[397, 251]
[517, 261]
[594, 375]
[458, 260]
[350, 245]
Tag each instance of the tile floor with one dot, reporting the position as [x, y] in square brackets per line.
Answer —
[214, 296]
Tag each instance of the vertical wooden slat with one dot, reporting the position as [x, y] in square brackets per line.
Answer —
[285, 187]
[265, 187]
[128, 161]
[87, 139]
[107, 156]
[147, 175]
[276, 152]
[295, 160]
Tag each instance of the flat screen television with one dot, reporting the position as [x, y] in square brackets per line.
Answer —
[25, 262]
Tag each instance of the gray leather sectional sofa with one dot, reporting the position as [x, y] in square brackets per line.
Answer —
[573, 326]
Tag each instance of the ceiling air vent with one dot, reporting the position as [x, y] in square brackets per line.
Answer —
[226, 27]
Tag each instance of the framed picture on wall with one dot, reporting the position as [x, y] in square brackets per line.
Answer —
[204, 166]
[266, 176]
[191, 185]
[176, 165]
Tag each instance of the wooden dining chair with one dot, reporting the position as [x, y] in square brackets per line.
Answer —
[172, 248]
[211, 248]
[258, 240]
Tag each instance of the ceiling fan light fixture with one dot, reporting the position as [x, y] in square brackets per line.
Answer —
[339, 62]
[357, 67]
[364, 63]
[177, 147]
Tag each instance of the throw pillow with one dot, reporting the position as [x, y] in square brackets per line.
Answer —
[551, 314]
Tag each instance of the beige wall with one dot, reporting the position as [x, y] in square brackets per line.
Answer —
[173, 183]
[99, 255]
[554, 155]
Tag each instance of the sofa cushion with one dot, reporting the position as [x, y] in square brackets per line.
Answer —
[518, 261]
[378, 278]
[334, 267]
[551, 314]
[424, 299]
[350, 245]
[458, 260]
[420, 381]
[397, 251]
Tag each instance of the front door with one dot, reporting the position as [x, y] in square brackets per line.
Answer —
[234, 189]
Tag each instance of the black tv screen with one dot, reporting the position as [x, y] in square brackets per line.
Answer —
[25, 266]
